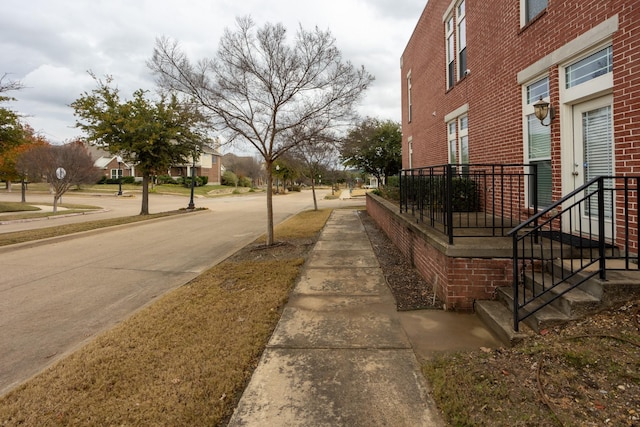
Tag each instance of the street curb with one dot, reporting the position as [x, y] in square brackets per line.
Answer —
[48, 240]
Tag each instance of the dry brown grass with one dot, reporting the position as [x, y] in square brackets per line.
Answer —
[61, 230]
[182, 361]
[585, 373]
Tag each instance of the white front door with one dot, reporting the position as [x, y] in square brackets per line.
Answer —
[592, 157]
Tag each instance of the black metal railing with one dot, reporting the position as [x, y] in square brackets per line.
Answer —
[589, 231]
[470, 200]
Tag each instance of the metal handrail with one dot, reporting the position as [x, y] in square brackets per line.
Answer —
[534, 255]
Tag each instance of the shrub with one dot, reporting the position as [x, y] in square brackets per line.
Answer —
[229, 178]
[165, 179]
[244, 181]
[186, 181]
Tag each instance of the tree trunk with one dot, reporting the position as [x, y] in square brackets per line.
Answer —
[313, 191]
[269, 206]
[145, 194]
[55, 203]
[23, 189]
[8, 186]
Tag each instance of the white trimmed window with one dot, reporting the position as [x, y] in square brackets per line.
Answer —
[453, 150]
[589, 68]
[450, 50]
[458, 141]
[409, 98]
[455, 30]
[529, 9]
[538, 143]
[461, 15]
[116, 173]
[463, 139]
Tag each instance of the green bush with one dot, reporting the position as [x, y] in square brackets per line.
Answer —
[165, 179]
[464, 192]
[186, 181]
[204, 179]
[229, 178]
[244, 182]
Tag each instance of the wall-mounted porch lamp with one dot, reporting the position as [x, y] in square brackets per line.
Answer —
[542, 109]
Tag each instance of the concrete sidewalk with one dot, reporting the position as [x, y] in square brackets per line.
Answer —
[339, 355]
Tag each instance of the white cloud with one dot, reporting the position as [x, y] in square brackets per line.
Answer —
[50, 45]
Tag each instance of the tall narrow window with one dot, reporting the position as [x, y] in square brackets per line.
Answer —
[410, 152]
[538, 145]
[410, 106]
[463, 141]
[532, 8]
[453, 158]
[450, 52]
[462, 39]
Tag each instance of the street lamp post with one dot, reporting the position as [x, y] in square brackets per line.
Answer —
[119, 160]
[193, 179]
[277, 179]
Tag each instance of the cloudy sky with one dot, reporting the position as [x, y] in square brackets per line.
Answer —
[49, 45]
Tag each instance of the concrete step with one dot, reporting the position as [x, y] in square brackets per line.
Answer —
[541, 317]
[573, 303]
[499, 320]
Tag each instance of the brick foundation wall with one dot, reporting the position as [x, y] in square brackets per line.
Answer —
[458, 282]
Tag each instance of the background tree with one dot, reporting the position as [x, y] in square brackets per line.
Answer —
[9, 170]
[11, 129]
[61, 165]
[152, 135]
[264, 91]
[317, 156]
[375, 147]
[243, 167]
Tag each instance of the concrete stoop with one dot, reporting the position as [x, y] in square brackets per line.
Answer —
[563, 306]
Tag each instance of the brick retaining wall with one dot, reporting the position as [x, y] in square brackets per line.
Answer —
[458, 281]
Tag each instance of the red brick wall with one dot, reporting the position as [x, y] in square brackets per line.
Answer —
[458, 282]
[497, 49]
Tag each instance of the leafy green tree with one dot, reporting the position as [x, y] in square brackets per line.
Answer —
[263, 90]
[375, 147]
[152, 135]
[11, 129]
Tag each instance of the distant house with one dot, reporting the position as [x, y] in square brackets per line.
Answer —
[108, 163]
[207, 164]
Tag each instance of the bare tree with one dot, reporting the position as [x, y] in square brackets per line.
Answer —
[243, 166]
[264, 91]
[61, 165]
[317, 156]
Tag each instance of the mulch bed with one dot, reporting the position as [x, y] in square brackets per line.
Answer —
[410, 289]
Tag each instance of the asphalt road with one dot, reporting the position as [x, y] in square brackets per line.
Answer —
[55, 296]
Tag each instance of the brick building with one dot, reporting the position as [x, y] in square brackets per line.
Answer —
[473, 75]
[472, 72]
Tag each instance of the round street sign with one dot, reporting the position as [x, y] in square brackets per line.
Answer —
[61, 173]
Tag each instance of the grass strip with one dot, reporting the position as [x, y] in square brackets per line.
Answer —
[61, 230]
[183, 360]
